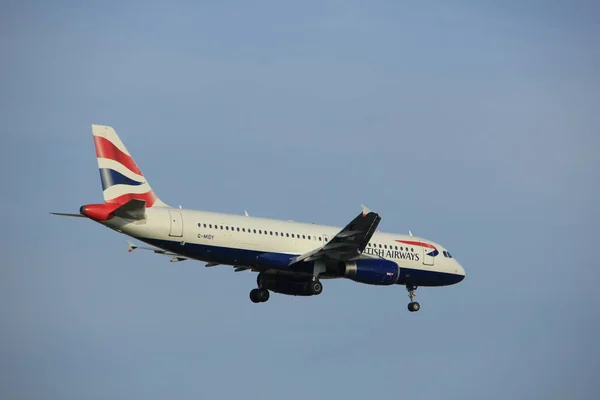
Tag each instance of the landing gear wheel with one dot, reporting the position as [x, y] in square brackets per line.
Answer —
[315, 287]
[259, 295]
[413, 305]
[263, 295]
[254, 296]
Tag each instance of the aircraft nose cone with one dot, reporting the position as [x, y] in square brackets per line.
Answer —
[461, 272]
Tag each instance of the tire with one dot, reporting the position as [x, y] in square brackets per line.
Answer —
[315, 287]
[262, 295]
[414, 307]
[254, 296]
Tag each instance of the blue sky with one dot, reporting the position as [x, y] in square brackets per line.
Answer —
[474, 124]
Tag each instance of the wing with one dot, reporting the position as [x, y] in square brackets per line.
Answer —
[348, 243]
[176, 257]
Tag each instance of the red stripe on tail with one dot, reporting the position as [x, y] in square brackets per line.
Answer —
[149, 197]
[105, 149]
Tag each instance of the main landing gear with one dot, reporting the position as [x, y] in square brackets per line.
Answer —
[259, 295]
[413, 306]
[294, 287]
[315, 287]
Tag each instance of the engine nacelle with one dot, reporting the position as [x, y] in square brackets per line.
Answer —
[372, 271]
[287, 285]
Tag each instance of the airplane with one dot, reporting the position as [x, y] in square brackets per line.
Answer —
[290, 257]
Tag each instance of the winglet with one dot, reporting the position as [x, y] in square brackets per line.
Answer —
[365, 210]
[132, 246]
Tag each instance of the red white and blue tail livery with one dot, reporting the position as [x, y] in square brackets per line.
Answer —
[121, 178]
[290, 257]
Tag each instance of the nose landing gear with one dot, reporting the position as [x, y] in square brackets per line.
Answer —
[413, 306]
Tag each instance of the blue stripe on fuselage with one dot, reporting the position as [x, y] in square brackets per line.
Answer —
[242, 257]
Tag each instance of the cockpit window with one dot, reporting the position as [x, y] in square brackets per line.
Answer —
[449, 255]
[445, 253]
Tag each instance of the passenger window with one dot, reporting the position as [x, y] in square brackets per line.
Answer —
[308, 237]
[276, 233]
[221, 227]
[199, 225]
[271, 232]
[319, 239]
[379, 246]
[243, 229]
[396, 247]
[303, 237]
[254, 230]
[210, 226]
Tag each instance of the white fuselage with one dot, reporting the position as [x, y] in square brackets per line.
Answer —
[237, 240]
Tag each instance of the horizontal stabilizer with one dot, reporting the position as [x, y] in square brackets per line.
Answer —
[133, 209]
[68, 215]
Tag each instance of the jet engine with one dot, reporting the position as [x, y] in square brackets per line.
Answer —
[372, 271]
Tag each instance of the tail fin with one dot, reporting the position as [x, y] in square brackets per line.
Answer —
[121, 179]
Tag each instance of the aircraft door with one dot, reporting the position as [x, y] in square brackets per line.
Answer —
[428, 253]
[176, 223]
